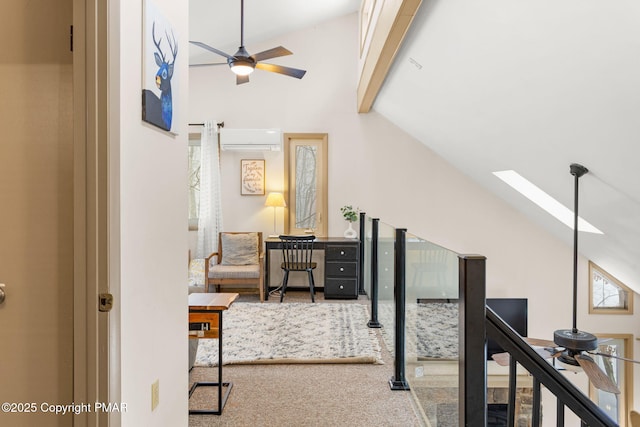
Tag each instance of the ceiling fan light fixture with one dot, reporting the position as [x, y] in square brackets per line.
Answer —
[242, 64]
[242, 68]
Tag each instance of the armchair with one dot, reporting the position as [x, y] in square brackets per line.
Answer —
[239, 261]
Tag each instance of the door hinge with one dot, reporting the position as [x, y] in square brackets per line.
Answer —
[105, 302]
[71, 38]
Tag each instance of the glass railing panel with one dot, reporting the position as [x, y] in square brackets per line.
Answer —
[386, 273]
[431, 341]
[432, 271]
[366, 265]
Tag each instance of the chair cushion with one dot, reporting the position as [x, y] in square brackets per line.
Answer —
[234, 271]
[239, 249]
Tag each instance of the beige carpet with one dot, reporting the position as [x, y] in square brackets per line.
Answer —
[307, 394]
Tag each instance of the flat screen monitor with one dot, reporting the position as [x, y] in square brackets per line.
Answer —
[514, 312]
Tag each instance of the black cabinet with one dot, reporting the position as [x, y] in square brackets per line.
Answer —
[341, 266]
[341, 270]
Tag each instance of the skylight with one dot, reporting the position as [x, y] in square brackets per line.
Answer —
[545, 201]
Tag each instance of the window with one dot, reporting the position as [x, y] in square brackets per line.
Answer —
[194, 179]
[607, 294]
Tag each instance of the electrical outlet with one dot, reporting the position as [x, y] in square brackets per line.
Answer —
[155, 394]
[419, 371]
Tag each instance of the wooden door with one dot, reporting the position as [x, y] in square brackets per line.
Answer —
[305, 160]
[36, 212]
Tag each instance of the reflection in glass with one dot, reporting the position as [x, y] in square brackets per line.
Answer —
[386, 277]
[306, 161]
[609, 402]
[431, 270]
[432, 317]
[368, 245]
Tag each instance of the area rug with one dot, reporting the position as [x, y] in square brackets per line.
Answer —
[293, 333]
[431, 330]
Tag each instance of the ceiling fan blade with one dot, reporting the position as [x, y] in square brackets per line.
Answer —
[599, 379]
[539, 342]
[501, 359]
[208, 64]
[597, 353]
[287, 71]
[550, 352]
[271, 53]
[211, 49]
[242, 79]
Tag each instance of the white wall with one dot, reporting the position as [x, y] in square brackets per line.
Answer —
[372, 164]
[321, 102]
[152, 239]
[375, 165]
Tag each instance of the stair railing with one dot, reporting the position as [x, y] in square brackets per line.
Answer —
[476, 322]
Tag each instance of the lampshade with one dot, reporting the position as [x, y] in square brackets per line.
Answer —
[242, 64]
[275, 200]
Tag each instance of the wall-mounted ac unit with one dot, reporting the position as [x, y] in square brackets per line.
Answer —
[251, 139]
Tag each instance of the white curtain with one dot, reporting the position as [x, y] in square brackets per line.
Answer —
[210, 211]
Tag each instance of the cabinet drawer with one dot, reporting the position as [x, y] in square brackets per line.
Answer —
[340, 288]
[343, 269]
[337, 252]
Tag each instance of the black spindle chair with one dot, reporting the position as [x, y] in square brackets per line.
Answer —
[297, 252]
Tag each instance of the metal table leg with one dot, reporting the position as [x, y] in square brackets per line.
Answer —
[222, 398]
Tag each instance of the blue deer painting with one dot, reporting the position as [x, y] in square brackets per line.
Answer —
[159, 111]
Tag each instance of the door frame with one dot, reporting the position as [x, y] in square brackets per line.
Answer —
[93, 361]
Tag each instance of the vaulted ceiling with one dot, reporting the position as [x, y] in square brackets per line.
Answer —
[528, 86]
[217, 23]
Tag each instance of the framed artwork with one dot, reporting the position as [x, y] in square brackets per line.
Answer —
[252, 177]
[159, 54]
[608, 295]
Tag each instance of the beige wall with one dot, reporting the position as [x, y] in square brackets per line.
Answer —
[36, 210]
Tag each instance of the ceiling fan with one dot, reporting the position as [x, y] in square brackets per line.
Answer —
[571, 347]
[243, 64]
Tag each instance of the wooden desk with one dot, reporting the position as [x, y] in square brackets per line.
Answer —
[341, 265]
[205, 321]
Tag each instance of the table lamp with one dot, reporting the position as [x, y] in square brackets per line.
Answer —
[276, 200]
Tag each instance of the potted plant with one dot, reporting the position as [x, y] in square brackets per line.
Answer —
[350, 215]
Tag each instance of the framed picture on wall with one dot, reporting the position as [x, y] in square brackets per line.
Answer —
[252, 177]
[159, 54]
